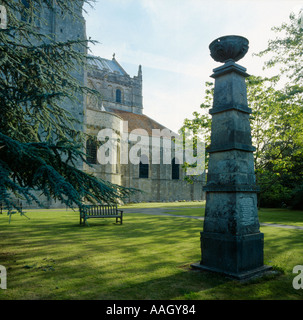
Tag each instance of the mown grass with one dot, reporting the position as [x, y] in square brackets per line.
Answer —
[197, 209]
[148, 257]
[281, 216]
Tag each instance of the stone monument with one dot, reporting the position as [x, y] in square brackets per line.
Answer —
[231, 242]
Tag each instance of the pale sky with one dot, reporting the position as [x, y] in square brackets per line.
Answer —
[170, 39]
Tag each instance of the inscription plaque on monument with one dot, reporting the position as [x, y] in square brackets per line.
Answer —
[247, 210]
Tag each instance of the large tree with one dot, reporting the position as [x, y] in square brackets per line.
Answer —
[40, 146]
[285, 52]
[277, 134]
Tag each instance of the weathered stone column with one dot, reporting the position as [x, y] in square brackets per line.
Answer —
[231, 242]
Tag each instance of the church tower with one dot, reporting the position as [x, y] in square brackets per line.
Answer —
[119, 91]
[62, 26]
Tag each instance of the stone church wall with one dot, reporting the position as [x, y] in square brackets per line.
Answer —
[96, 121]
[159, 186]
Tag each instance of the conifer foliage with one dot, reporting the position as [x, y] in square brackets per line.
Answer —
[40, 146]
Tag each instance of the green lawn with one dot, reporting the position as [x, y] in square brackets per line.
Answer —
[278, 216]
[148, 257]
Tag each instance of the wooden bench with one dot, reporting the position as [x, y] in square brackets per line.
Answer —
[100, 211]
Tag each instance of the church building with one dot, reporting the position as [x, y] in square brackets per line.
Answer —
[119, 110]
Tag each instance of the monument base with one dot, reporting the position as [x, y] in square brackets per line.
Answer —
[239, 256]
[238, 276]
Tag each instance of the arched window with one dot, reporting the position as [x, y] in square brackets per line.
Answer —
[91, 151]
[175, 169]
[118, 96]
[143, 167]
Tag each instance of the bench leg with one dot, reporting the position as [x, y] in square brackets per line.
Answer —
[82, 220]
[119, 218]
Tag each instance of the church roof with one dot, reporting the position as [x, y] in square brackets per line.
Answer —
[141, 121]
[107, 65]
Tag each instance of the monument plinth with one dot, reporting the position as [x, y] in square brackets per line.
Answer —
[231, 242]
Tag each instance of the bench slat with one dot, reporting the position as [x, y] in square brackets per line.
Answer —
[103, 216]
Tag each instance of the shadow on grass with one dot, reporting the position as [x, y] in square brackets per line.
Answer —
[148, 257]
